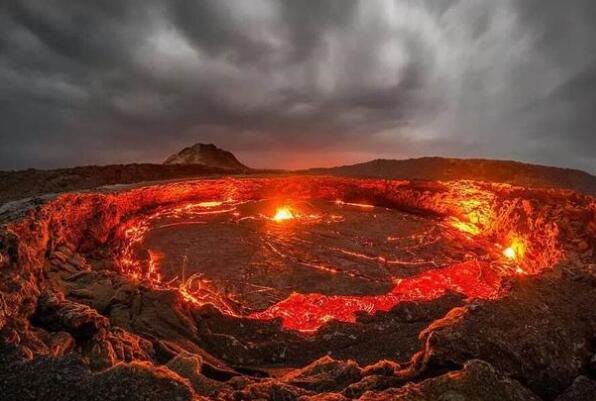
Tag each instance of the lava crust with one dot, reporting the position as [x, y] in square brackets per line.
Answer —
[300, 288]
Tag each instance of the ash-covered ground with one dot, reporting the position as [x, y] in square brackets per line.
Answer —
[300, 288]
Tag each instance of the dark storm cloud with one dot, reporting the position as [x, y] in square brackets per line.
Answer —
[103, 82]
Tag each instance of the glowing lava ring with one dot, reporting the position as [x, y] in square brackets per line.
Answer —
[309, 250]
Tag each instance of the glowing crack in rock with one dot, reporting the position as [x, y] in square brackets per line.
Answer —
[360, 205]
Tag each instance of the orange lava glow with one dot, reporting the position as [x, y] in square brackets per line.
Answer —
[134, 233]
[308, 312]
[465, 227]
[519, 247]
[198, 292]
[209, 204]
[283, 213]
[516, 249]
[509, 253]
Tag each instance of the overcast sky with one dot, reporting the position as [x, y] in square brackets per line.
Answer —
[297, 83]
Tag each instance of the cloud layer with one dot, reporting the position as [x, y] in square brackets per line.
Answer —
[297, 83]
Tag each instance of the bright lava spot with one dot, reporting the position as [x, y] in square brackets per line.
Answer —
[465, 227]
[516, 250]
[283, 213]
[209, 204]
[509, 253]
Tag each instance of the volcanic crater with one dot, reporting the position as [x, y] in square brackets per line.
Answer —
[243, 288]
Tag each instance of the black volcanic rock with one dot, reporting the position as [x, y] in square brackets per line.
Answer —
[546, 353]
[582, 389]
[477, 380]
[207, 155]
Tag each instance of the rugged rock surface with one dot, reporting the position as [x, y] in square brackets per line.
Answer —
[545, 353]
[208, 155]
[582, 389]
[69, 378]
[477, 380]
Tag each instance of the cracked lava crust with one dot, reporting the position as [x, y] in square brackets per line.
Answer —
[246, 288]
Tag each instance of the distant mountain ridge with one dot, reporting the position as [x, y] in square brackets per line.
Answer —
[208, 155]
[208, 160]
[439, 168]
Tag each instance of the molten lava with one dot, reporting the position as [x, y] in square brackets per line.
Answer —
[515, 250]
[308, 312]
[465, 227]
[283, 213]
[509, 253]
[209, 204]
